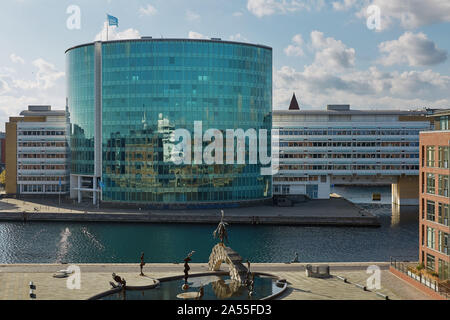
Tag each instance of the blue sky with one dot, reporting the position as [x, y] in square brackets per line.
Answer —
[322, 50]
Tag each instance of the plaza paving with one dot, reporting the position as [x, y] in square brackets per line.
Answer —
[95, 278]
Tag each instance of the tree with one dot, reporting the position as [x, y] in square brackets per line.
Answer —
[3, 177]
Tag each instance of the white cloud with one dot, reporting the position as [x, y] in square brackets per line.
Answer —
[4, 87]
[114, 35]
[410, 14]
[46, 77]
[148, 10]
[261, 8]
[16, 59]
[331, 54]
[371, 88]
[196, 35]
[192, 16]
[295, 49]
[237, 14]
[344, 5]
[46, 86]
[333, 78]
[238, 37]
[412, 49]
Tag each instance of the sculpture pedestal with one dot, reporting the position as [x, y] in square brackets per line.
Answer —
[188, 295]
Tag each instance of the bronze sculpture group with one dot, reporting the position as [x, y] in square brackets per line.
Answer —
[186, 270]
[221, 230]
[142, 265]
[120, 282]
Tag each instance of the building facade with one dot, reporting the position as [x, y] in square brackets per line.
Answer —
[37, 152]
[340, 146]
[2, 151]
[434, 197]
[126, 99]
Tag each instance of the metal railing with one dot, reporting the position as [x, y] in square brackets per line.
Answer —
[405, 266]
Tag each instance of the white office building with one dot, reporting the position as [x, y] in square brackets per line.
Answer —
[42, 151]
[340, 146]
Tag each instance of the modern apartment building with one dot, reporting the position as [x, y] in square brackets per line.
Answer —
[37, 152]
[341, 146]
[434, 196]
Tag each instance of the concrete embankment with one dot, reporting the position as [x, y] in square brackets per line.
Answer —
[332, 212]
[363, 221]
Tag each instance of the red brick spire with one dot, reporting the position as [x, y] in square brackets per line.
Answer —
[294, 104]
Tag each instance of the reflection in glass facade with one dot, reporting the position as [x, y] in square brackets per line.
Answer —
[151, 87]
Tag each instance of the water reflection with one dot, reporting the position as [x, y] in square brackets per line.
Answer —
[215, 287]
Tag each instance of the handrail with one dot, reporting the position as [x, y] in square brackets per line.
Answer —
[438, 287]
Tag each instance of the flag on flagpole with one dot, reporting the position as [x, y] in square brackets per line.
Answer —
[113, 21]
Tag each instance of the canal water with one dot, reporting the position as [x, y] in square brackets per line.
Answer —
[42, 242]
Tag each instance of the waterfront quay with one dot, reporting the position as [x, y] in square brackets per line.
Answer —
[95, 278]
[333, 212]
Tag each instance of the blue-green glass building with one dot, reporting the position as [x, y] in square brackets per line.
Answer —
[127, 97]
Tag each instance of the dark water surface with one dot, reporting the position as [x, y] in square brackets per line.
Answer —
[44, 242]
[215, 287]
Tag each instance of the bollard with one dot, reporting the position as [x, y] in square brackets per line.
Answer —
[385, 297]
[361, 286]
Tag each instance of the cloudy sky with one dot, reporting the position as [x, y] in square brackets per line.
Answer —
[326, 51]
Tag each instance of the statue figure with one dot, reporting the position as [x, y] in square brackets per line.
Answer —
[221, 231]
[250, 281]
[201, 293]
[142, 264]
[186, 270]
[120, 281]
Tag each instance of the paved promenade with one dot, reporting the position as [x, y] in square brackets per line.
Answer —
[335, 211]
[14, 280]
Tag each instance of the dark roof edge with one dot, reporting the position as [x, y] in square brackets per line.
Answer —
[171, 39]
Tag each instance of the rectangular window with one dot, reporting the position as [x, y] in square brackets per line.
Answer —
[444, 270]
[443, 214]
[430, 210]
[431, 183]
[430, 156]
[431, 238]
[443, 157]
[430, 262]
[444, 123]
[443, 185]
[443, 242]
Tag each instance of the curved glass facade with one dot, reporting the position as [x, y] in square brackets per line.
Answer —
[80, 93]
[149, 88]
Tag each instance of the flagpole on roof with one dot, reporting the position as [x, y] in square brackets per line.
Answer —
[107, 27]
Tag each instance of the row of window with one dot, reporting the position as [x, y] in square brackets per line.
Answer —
[350, 144]
[349, 156]
[41, 133]
[443, 157]
[171, 47]
[430, 209]
[42, 178]
[44, 188]
[169, 197]
[442, 240]
[42, 155]
[155, 75]
[443, 266]
[378, 132]
[42, 144]
[42, 167]
[443, 184]
[349, 167]
[300, 179]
